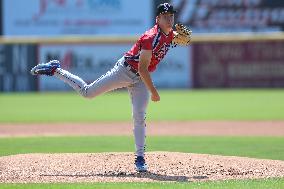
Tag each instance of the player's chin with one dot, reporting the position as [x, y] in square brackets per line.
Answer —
[169, 26]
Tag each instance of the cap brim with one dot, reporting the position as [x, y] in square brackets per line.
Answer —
[167, 12]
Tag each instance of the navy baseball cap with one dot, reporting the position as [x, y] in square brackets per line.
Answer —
[164, 8]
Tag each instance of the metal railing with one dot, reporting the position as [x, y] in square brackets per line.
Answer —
[196, 38]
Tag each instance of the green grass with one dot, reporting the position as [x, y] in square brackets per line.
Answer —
[236, 184]
[257, 147]
[174, 105]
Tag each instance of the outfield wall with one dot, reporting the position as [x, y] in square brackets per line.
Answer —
[211, 61]
[239, 64]
[15, 61]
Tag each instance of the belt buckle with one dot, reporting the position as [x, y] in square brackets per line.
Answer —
[129, 68]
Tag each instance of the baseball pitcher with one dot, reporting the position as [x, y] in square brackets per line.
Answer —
[131, 71]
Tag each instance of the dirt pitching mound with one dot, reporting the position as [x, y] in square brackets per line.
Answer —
[119, 167]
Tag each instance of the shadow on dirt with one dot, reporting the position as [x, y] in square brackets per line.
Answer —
[148, 175]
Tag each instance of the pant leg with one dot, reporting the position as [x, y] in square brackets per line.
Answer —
[139, 98]
[117, 77]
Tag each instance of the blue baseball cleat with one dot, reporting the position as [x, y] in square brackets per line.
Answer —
[46, 68]
[140, 164]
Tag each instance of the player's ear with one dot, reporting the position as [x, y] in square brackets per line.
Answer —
[157, 19]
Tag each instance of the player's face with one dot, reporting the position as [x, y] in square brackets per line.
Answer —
[166, 20]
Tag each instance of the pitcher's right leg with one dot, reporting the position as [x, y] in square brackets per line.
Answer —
[72, 80]
[115, 78]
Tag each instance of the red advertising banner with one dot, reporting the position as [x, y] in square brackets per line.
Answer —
[219, 16]
[238, 64]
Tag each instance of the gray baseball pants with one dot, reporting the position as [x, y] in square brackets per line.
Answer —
[118, 77]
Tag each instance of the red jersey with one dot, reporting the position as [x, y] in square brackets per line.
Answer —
[155, 40]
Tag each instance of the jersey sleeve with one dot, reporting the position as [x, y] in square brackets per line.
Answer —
[146, 43]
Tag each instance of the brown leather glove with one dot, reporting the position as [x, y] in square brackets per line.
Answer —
[182, 35]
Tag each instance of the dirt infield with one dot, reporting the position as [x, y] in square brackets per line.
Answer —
[118, 167]
[189, 128]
